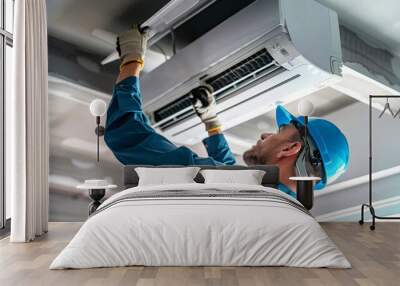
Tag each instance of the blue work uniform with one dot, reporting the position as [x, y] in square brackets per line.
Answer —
[285, 189]
[133, 141]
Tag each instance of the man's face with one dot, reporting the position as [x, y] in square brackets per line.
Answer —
[271, 147]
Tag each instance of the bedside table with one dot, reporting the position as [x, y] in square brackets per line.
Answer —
[97, 190]
[305, 190]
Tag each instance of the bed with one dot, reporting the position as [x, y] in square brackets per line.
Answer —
[198, 224]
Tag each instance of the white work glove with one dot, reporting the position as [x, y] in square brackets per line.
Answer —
[131, 45]
[205, 107]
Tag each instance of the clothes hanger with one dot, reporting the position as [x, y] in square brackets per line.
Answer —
[387, 107]
[397, 113]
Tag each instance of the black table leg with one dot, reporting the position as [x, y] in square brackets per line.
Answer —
[96, 195]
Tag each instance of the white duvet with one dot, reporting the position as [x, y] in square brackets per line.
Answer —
[200, 231]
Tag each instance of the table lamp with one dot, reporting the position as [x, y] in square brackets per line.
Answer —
[98, 108]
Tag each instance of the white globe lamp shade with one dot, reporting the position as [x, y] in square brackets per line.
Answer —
[305, 108]
[98, 107]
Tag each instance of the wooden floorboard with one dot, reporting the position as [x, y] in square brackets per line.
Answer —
[374, 255]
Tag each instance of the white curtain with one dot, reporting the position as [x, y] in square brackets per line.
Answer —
[27, 124]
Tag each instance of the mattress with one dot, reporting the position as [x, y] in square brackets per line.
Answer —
[201, 225]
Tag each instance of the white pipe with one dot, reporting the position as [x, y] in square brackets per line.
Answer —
[359, 181]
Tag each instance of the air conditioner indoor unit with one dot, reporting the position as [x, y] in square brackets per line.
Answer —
[271, 51]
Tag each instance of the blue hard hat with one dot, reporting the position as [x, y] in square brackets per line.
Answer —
[328, 139]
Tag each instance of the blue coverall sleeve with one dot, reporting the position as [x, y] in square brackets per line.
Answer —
[218, 148]
[133, 141]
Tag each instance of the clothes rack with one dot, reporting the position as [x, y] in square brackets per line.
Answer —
[370, 204]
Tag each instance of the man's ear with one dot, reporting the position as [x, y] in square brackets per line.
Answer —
[289, 149]
[250, 158]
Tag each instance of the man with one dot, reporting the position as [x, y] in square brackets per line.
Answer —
[133, 141]
[322, 152]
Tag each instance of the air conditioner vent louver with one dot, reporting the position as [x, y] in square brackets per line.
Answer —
[172, 108]
[240, 70]
[243, 73]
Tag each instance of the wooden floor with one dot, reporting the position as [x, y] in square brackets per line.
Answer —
[375, 257]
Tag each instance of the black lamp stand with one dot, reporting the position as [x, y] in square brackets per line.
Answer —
[99, 132]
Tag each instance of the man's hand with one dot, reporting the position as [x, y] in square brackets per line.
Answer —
[206, 108]
[131, 46]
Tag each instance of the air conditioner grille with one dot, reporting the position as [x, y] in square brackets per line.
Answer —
[245, 72]
[172, 108]
[240, 70]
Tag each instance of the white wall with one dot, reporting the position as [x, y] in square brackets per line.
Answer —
[67, 203]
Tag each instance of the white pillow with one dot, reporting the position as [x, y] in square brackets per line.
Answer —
[247, 177]
[166, 176]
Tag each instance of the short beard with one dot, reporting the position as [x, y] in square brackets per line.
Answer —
[250, 158]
